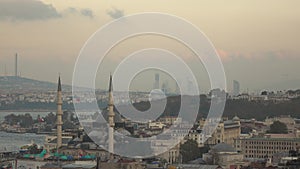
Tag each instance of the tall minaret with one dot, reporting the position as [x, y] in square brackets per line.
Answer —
[111, 116]
[59, 122]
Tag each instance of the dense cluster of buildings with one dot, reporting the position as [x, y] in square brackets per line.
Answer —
[279, 96]
[233, 143]
[225, 132]
[50, 97]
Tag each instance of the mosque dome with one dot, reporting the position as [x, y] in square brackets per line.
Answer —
[236, 118]
[223, 147]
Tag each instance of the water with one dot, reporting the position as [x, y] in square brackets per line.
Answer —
[13, 141]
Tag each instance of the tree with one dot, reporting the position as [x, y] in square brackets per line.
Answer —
[33, 149]
[278, 128]
[11, 119]
[50, 118]
[68, 125]
[25, 121]
[190, 151]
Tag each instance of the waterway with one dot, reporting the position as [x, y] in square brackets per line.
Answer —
[13, 141]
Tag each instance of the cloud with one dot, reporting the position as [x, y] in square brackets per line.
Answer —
[115, 13]
[84, 12]
[275, 54]
[223, 54]
[32, 10]
[26, 10]
[87, 12]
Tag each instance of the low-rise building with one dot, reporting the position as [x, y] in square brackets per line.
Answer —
[155, 125]
[224, 155]
[226, 132]
[169, 120]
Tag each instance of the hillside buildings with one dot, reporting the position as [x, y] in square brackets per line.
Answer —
[224, 155]
[266, 147]
[226, 132]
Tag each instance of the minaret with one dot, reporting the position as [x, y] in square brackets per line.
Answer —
[111, 116]
[59, 122]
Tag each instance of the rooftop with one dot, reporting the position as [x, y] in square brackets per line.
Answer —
[223, 147]
[64, 141]
[272, 139]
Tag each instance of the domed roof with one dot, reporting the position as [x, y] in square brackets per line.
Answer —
[77, 139]
[223, 147]
[124, 132]
[236, 118]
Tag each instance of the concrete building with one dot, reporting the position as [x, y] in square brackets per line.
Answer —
[75, 165]
[28, 163]
[232, 130]
[122, 164]
[156, 81]
[236, 88]
[16, 65]
[253, 127]
[194, 166]
[170, 120]
[226, 132]
[196, 135]
[265, 147]
[155, 125]
[172, 155]
[224, 155]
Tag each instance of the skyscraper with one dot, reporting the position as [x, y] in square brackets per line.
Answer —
[16, 65]
[156, 81]
[236, 88]
[165, 87]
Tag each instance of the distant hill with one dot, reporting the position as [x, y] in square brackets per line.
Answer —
[242, 108]
[19, 84]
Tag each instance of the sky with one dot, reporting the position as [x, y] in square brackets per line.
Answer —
[258, 41]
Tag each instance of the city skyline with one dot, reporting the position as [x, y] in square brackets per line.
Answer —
[149, 84]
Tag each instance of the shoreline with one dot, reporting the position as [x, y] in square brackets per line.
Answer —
[36, 133]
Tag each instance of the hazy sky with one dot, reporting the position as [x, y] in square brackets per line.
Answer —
[258, 41]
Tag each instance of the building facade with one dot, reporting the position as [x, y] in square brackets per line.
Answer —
[226, 132]
[264, 148]
[223, 155]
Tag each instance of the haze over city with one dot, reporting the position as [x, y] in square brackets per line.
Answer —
[181, 84]
[258, 41]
